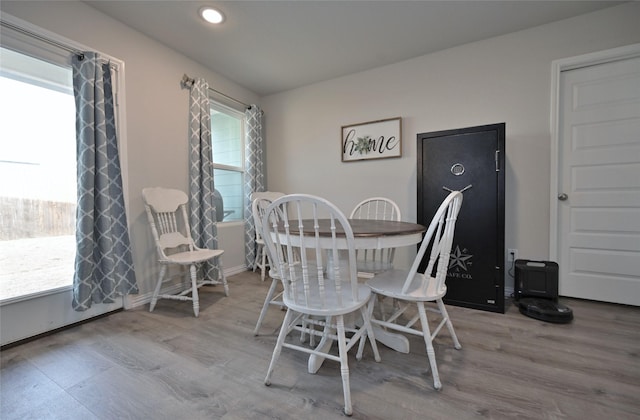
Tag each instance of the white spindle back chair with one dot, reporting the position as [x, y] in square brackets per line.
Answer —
[372, 261]
[259, 207]
[315, 296]
[409, 287]
[261, 261]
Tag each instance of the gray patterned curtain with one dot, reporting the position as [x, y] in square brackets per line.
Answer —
[201, 199]
[103, 265]
[254, 176]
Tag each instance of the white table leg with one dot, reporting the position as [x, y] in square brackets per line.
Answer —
[397, 342]
[316, 361]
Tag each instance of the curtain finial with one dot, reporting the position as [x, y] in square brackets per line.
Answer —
[187, 82]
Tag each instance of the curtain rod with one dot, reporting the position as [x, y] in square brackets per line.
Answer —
[42, 38]
[187, 82]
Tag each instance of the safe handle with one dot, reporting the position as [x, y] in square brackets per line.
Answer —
[462, 190]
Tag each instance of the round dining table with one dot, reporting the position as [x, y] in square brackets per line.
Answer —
[368, 234]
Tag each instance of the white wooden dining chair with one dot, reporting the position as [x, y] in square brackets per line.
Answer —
[372, 261]
[259, 207]
[167, 215]
[261, 261]
[412, 287]
[315, 297]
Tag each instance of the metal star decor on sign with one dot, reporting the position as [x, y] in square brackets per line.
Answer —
[460, 259]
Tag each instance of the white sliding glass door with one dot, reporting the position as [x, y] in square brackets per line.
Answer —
[38, 189]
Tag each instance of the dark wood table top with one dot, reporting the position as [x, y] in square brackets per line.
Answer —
[363, 228]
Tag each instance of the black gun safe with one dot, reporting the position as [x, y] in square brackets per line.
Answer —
[469, 160]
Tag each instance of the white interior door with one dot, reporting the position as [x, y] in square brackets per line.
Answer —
[598, 182]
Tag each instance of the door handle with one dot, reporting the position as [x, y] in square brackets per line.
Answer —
[562, 197]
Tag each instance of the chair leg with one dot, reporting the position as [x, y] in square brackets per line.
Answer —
[363, 339]
[344, 365]
[380, 299]
[255, 259]
[312, 337]
[284, 329]
[395, 305]
[303, 333]
[427, 340]
[260, 261]
[194, 290]
[445, 314]
[263, 266]
[265, 306]
[156, 292]
[223, 278]
[367, 313]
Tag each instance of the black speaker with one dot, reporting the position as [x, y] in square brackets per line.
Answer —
[536, 279]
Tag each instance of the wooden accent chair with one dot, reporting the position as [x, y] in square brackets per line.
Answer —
[167, 215]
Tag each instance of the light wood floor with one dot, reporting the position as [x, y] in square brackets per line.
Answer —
[170, 365]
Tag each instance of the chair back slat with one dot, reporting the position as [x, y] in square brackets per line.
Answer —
[377, 208]
[166, 211]
[439, 237]
[312, 245]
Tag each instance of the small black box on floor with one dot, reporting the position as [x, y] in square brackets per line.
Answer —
[536, 279]
[536, 291]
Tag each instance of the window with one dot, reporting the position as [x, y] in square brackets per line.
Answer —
[227, 137]
[38, 161]
[38, 166]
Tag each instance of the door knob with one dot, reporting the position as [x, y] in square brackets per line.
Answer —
[562, 197]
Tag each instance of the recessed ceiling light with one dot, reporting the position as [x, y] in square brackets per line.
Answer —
[211, 15]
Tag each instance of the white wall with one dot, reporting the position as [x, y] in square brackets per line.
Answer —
[156, 115]
[503, 79]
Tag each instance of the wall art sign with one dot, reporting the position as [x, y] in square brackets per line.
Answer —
[372, 140]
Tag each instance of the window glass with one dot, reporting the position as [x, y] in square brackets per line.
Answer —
[227, 137]
[226, 132]
[38, 169]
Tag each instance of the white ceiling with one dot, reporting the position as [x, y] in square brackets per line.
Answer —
[272, 46]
